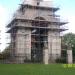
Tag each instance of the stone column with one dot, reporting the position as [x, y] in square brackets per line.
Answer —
[69, 57]
[45, 56]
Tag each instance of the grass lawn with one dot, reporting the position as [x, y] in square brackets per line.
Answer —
[35, 69]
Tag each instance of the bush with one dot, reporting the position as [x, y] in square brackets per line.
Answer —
[61, 60]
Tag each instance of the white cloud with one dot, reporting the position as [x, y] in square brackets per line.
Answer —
[71, 24]
[70, 18]
[3, 21]
[3, 14]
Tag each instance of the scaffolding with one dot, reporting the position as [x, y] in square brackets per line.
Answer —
[35, 33]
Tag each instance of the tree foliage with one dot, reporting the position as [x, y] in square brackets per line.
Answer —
[69, 40]
[5, 54]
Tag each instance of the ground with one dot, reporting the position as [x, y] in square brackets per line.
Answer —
[36, 69]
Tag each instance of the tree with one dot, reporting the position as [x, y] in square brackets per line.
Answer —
[68, 41]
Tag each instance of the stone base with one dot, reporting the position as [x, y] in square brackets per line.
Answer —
[45, 56]
[69, 57]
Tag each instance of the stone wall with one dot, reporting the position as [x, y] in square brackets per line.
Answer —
[23, 45]
[54, 45]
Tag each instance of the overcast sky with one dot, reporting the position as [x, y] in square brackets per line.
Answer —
[8, 7]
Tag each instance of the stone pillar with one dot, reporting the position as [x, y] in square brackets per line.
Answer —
[69, 57]
[23, 45]
[45, 56]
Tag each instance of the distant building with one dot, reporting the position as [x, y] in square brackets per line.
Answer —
[35, 33]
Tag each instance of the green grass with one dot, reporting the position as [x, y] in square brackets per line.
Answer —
[35, 69]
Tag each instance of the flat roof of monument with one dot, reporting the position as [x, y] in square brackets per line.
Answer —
[40, 7]
[40, 3]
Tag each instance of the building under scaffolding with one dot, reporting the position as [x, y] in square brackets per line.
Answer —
[35, 33]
